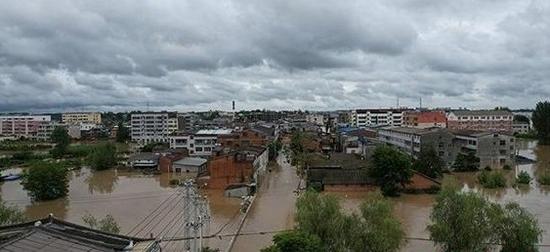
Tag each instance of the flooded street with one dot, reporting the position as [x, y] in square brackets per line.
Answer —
[273, 208]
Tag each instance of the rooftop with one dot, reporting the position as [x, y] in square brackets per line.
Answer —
[52, 235]
[214, 132]
[191, 161]
[413, 131]
[482, 112]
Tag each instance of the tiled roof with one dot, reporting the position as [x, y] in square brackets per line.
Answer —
[53, 235]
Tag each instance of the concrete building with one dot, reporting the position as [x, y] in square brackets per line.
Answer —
[424, 119]
[413, 140]
[481, 120]
[202, 143]
[377, 117]
[493, 149]
[81, 117]
[193, 165]
[521, 127]
[187, 122]
[149, 127]
[317, 119]
[172, 124]
[22, 125]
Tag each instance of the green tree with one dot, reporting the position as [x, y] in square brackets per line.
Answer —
[466, 163]
[107, 224]
[377, 230]
[103, 157]
[46, 181]
[523, 178]
[492, 179]
[541, 121]
[429, 163]
[274, 148]
[295, 241]
[321, 215]
[10, 215]
[123, 134]
[518, 229]
[62, 140]
[521, 118]
[373, 230]
[462, 221]
[391, 169]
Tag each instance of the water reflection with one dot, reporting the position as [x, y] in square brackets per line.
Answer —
[102, 181]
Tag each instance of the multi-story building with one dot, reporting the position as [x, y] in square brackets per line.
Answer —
[317, 119]
[493, 149]
[377, 117]
[45, 130]
[187, 122]
[22, 125]
[81, 117]
[521, 127]
[481, 120]
[149, 127]
[413, 140]
[172, 124]
[424, 119]
[202, 143]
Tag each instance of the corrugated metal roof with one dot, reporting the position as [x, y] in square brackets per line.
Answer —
[191, 161]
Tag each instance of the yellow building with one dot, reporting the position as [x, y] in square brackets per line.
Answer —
[81, 117]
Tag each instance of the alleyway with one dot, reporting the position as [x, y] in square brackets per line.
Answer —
[273, 208]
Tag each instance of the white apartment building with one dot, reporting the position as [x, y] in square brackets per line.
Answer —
[201, 143]
[317, 119]
[149, 127]
[81, 117]
[377, 117]
[22, 125]
[172, 124]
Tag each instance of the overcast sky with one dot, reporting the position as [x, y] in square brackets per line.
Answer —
[68, 55]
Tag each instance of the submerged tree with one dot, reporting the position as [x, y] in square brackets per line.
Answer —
[46, 181]
[518, 229]
[103, 157]
[10, 215]
[541, 121]
[391, 169]
[295, 241]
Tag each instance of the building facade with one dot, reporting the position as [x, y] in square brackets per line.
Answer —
[202, 143]
[494, 150]
[81, 117]
[413, 140]
[317, 119]
[424, 119]
[149, 127]
[521, 127]
[22, 125]
[377, 117]
[481, 120]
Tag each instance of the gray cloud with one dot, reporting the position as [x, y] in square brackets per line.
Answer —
[198, 55]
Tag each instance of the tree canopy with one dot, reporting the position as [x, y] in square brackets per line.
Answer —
[103, 157]
[294, 241]
[46, 181]
[391, 169]
[466, 162]
[429, 163]
[107, 224]
[62, 140]
[541, 121]
[123, 133]
[466, 221]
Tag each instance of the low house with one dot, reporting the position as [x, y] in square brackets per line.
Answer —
[189, 165]
[144, 160]
[167, 160]
[238, 190]
[54, 235]
[338, 171]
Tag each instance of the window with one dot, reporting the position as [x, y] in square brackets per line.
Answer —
[198, 149]
[502, 142]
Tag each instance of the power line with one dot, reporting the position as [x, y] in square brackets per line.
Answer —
[156, 215]
[157, 208]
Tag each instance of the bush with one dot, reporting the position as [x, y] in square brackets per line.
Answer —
[507, 167]
[10, 215]
[523, 178]
[174, 182]
[292, 241]
[544, 179]
[391, 169]
[492, 179]
[466, 162]
[46, 181]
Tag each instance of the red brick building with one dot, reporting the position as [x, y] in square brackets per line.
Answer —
[241, 166]
[243, 138]
[424, 119]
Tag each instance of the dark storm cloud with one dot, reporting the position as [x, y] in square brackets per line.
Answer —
[72, 55]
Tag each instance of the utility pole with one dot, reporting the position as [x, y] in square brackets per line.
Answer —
[196, 219]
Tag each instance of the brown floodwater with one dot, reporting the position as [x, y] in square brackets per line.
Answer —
[129, 196]
[414, 210]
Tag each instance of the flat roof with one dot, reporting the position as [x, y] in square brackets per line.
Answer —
[214, 132]
[191, 161]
